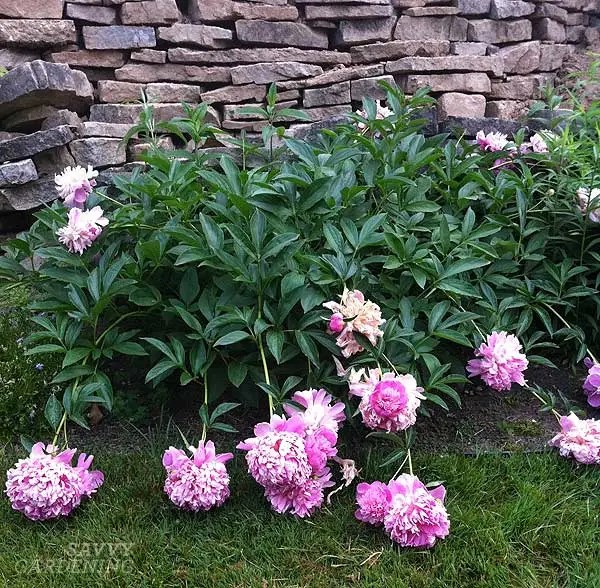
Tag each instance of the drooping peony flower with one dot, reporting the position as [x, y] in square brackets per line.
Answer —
[538, 141]
[316, 410]
[199, 482]
[301, 499]
[74, 185]
[579, 439]
[491, 141]
[360, 316]
[45, 485]
[501, 362]
[373, 502]
[82, 229]
[416, 516]
[389, 402]
[589, 199]
[592, 382]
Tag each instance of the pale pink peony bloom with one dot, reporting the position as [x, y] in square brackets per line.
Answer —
[373, 502]
[199, 482]
[589, 200]
[316, 410]
[82, 229]
[74, 185]
[382, 112]
[45, 485]
[501, 363]
[416, 516]
[389, 402]
[591, 385]
[360, 316]
[538, 141]
[579, 439]
[491, 141]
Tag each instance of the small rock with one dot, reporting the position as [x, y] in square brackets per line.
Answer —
[118, 37]
[200, 35]
[104, 129]
[457, 104]
[17, 172]
[364, 31]
[38, 33]
[334, 94]
[98, 152]
[150, 12]
[27, 145]
[282, 34]
[369, 88]
[265, 73]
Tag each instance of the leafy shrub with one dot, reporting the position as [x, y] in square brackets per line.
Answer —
[210, 274]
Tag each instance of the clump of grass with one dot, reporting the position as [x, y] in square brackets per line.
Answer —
[522, 428]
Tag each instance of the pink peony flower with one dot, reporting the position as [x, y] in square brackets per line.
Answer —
[82, 229]
[317, 410]
[360, 316]
[196, 483]
[501, 363]
[589, 200]
[373, 502]
[74, 185]
[538, 142]
[336, 323]
[416, 516]
[579, 439]
[592, 382]
[491, 141]
[389, 402]
[45, 485]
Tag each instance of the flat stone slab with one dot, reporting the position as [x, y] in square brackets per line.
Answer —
[17, 172]
[27, 196]
[42, 83]
[27, 145]
[98, 152]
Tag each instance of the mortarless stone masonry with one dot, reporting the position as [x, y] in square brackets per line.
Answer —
[479, 57]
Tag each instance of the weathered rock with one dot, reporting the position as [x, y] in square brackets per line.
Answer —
[165, 92]
[98, 152]
[91, 13]
[28, 120]
[473, 7]
[118, 37]
[172, 73]
[492, 65]
[262, 32]
[265, 73]
[53, 160]
[516, 87]
[547, 10]
[228, 10]
[41, 83]
[257, 55]
[137, 148]
[86, 58]
[432, 11]
[493, 31]
[364, 31]
[10, 58]
[552, 56]
[198, 35]
[471, 126]
[573, 18]
[32, 8]
[334, 94]
[397, 49]
[369, 88]
[547, 29]
[476, 83]
[451, 28]
[235, 94]
[235, 111]
[337, 12]
[506, 109]
[466, 48]
[102, 129]
[334, 76]
[129, 113]
[150, 12]
[149, 56]
[520, 59]
[324, 112]
[27, 145]
[38, 33]
[62, 117]
[575, 34]
[510, 8]
[457, 104]
[27, 196]
[115, 92]
[17, 172]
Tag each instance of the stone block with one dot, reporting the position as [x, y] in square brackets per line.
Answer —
[547, 10]
[475, 83]
[547, 29]
[466, 48]
[10, 58]
[500, 9]
[515, 88]
[575, 34]
[257, 55]
[378, 52]
[229, 10]
[352, 12]
[489, 64]
[451, 28]
[457, 104]
[98, 152]
[520, 59]
[352, 32]
[28, 120]
[118, 37]
[53, 160]
[115, 92]
[32, 8]
[552, 56]
[506, 109]
[87, 58]
[198, 35]
[37, 33]
[60, 118]
[165, 92]
[27, 145]
[92, 13]
[150, 12]
[27, 196]
[149, 56]
[170, 72]
[334, 94]
[432, 11]
[334, 76]
[282, 34]
[129, 113]
[101, 129]
[17, 172]
[235, 94]
[369, 88]
[494, 31]
[324, 112]
[473, 7]
[265, 73]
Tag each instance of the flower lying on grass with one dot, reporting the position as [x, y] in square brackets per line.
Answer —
[199, 482]
[353, 314]
[501, 362]
[74, 184]
[412, 515]
[45, 485]
[589, 200]
[591, 385]
[82, 230]
[288, 456]
[578, 438]
[389, 402]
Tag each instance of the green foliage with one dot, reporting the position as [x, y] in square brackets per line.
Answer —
[213, 274]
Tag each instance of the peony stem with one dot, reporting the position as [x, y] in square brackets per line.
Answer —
[61, 426]
[263, 358]
[204, 428]
[409, 457]
[390, 363]
[554, 412]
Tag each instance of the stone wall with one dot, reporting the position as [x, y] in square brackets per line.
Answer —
[479, 57]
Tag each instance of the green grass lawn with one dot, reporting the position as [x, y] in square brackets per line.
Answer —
[527, 521]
